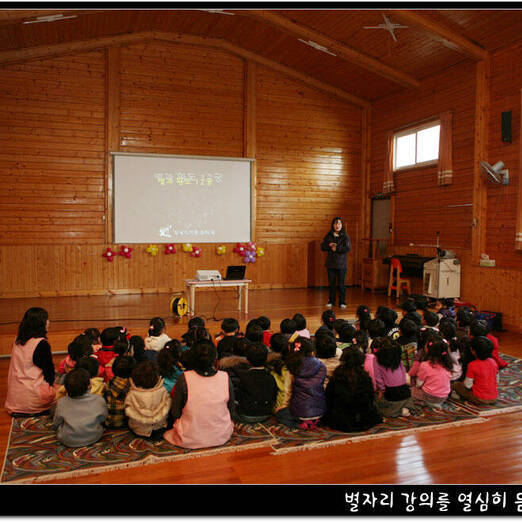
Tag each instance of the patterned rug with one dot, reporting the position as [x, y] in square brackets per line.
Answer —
[509, 392]
[35, 455]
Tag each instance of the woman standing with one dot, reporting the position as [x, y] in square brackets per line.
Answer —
[337, 244]
[30, 379]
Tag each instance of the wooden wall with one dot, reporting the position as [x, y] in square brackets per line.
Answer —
[421, 207]
[61, 116]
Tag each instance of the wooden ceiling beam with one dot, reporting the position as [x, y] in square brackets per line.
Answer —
[50, 51]
[340, 49]
[443, 34]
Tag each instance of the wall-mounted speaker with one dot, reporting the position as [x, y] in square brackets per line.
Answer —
[506, 126]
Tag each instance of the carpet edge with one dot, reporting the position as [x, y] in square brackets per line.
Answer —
[362, 438]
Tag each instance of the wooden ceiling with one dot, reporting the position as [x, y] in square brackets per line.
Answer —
[366, 64]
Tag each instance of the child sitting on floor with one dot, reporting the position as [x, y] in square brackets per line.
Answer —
[288, 328]
[137, 348]
[408, 342]
[328, 319]
[394, 396]
[257, 389]
[203, 403]
[264, 323]
[114, 335]
[157, 336]
[329, 354]
[80, 346]
[117, 391]
[147, 403]
[350, 396]
[430, 319]
[433, 377]
[307, 401]
[347, 336]
[480, 328]
[300, 323]
[364, 316]
[480, 384]
[229, 328]
[78, 418]
[97, 383]
[448, 329]
[169, 363]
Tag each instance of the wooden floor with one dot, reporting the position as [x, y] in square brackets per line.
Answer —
[484, 453]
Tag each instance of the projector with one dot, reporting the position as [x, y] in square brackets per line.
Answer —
[208, 275]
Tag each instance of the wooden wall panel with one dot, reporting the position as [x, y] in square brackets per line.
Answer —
[173, 99]
[308, 161]
[52, 151]
[421, 206]
[506, 83]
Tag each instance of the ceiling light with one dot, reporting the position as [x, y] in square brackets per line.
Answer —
[317, 46]
[49, 18]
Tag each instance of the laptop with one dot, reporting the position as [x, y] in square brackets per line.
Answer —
[235, 273]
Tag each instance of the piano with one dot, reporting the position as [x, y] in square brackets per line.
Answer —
[412, 264]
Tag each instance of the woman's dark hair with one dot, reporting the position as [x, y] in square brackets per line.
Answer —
[277, 342]
[264, 322]
[376, 328]
[328, 318]
[81, 345]
[254, 333]
[347, 333]
[364, 315]
[229, 325]
[482, 346]
[299, 349]
[137, 345]
[90, 364]
[300, 321]
[194, 334]
[157, 324]
[438, 353]
[408, 328]
[77, 382]
[325, 347]
[33, 325]
[145, 375]
[431, 318]
[351, 368]
[123, 366]
[168, 357]
[389, 353]
[204, 356]
[338, 218]
[288, 326]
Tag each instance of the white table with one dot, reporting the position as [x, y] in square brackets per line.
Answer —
[192, 284]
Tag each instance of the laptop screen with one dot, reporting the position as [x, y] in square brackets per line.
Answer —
[235, 273]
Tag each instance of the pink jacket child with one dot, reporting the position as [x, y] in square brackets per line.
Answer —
[31, 374]
[202, 403]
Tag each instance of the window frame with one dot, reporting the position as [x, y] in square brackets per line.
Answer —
[414, 129]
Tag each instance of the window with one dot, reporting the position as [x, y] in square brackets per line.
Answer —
[416, 146]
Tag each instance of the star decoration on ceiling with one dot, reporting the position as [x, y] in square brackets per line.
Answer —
[389, 26]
